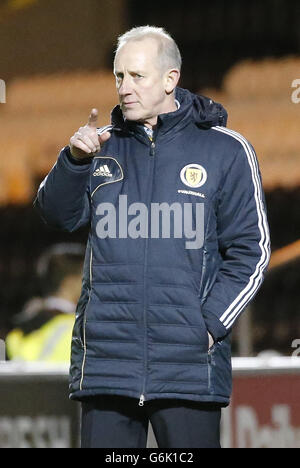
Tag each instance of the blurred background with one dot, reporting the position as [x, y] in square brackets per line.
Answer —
[56, 60]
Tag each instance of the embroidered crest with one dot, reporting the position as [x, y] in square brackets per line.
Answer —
[193, 175]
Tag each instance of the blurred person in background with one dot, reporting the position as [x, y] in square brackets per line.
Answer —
[43, 330]
[152, 338]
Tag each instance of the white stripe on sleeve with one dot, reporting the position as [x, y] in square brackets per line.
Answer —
[245, 296]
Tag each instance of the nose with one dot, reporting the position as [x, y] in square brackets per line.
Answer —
[125, 87]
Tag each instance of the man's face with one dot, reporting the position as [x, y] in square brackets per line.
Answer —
[140, 81]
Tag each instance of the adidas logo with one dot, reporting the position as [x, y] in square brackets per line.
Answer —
[102, 171]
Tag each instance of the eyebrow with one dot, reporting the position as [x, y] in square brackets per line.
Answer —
[131, 72]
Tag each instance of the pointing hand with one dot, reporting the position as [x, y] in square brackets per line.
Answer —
[86, 141]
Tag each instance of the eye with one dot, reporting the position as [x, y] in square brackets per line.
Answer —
[119, 77]
[137, 75]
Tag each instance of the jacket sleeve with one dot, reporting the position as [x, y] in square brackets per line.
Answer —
[63, 198]
[244, 243]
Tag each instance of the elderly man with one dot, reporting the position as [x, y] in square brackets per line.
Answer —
[178, 246]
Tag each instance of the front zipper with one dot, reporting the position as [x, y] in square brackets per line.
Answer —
[142, 400]
[142, 396]
[85, 319]
[209, 360]
[152, 149]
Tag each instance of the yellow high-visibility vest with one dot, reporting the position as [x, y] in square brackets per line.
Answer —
[50, 343]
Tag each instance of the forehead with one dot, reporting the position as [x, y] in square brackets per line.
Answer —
[137, 54]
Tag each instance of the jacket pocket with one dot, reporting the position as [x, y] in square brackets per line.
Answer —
[78, 329]
[203, 328]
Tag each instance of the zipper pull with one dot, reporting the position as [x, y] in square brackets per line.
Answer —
[152, 150]
[142, 400]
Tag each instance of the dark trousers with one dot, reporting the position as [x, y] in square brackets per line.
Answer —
[119, 422]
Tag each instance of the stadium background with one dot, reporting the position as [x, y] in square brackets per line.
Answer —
[55, 57]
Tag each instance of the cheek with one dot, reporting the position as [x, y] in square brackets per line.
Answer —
[152, 93]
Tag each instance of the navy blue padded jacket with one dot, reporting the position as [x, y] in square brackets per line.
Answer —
[147, 301]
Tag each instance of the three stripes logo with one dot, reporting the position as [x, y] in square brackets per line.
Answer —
[102, 171]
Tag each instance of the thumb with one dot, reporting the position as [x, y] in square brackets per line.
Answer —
[93, 118]
[103, 137]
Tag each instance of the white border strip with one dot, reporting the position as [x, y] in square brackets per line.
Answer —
[245, 364]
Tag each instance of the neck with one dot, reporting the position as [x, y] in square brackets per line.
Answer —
[170, 106]
[67, 291]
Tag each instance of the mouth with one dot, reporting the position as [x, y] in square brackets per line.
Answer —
[128, 104]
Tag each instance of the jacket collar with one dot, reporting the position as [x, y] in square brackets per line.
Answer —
[203, 111]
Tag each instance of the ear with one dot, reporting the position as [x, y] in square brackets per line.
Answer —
[171, 79]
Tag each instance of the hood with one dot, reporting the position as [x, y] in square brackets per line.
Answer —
[206, 112]
[202, 110]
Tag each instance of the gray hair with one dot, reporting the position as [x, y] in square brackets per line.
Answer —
[168, 52]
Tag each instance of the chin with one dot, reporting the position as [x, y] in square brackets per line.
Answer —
[131, 115]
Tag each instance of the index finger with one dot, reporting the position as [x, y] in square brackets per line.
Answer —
[93, 118]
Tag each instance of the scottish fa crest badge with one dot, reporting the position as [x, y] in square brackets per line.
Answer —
[193, 175]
